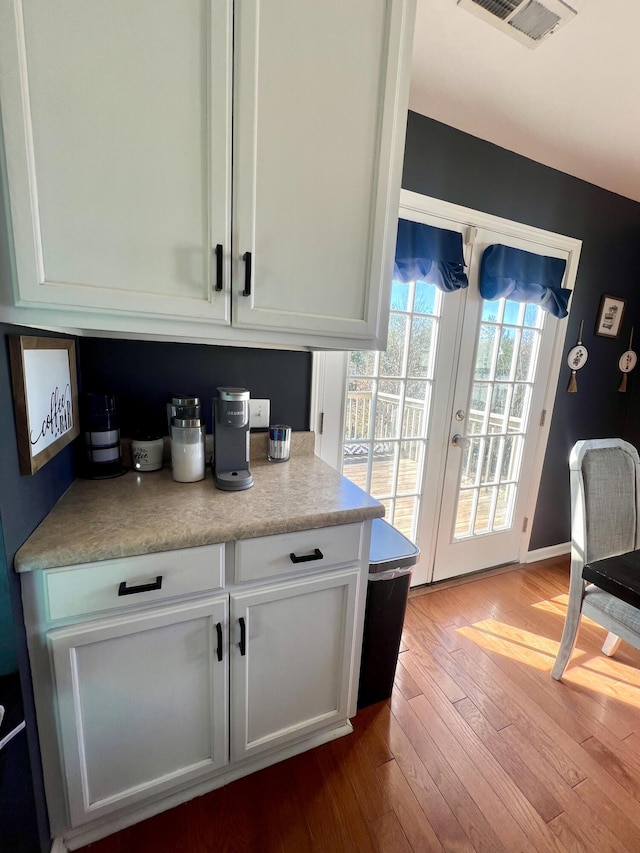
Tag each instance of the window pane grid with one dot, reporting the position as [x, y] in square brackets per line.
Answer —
[498, 416]
[388, 405]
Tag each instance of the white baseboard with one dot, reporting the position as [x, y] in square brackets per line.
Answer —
[58, 846]
[547, 553]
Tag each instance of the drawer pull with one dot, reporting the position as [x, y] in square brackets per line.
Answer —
[243, 636]
[219, 633]
[123, 589]
[317, 555]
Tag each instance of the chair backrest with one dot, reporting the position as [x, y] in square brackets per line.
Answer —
[605, 490]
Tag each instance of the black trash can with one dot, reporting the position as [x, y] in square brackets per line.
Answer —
[391, 559]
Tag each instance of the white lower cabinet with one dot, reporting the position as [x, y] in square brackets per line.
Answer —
[290, 670]
[150, 689]
[142, 704]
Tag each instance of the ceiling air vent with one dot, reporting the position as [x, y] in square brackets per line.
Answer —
[529, 21]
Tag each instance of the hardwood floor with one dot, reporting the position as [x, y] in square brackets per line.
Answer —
[478, 748]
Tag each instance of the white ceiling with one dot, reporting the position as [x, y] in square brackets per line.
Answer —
[573, 103]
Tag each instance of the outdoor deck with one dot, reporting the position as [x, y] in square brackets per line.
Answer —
[356, 471]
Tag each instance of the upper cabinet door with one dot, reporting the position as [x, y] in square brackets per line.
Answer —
[320, 109]
[117, 128]
[118, 118]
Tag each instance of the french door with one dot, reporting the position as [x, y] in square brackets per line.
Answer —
[448, 426]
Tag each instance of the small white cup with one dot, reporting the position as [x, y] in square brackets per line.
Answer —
[146, 454]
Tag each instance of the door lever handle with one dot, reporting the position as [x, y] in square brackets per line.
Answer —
[460, 441]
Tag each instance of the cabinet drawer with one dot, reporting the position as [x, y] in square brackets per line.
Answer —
[286, 553]
[127, 581]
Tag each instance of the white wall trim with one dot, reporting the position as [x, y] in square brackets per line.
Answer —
[547, 553]
[458, 214]
[58, 845]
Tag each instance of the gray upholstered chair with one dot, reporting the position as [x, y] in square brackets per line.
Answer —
[605, 490]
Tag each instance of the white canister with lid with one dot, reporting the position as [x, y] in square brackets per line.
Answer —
[187, 450]
[146, 453]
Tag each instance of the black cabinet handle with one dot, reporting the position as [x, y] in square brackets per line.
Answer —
[317, 555]
[219, 632]
[247, 274]
[243, 636]
[123, 589]
[218, 267]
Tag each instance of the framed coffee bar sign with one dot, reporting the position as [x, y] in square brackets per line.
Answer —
[45, 395]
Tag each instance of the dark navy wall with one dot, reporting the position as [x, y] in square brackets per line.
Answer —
[24, 502]
[447, 164]
[144, 374]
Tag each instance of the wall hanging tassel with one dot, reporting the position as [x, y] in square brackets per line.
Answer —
[576, 359]
[626, 364]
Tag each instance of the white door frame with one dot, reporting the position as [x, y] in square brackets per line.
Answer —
[329, 369]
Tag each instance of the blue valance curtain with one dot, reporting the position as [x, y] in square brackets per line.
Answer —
[434, 255]
[524, 277]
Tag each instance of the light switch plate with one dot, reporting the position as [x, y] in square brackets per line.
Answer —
[258, 414]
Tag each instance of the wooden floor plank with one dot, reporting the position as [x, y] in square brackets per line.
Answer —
[389, 835]
[490, 709]
[425, 663]
[533, 787]
[566, 796]
[404, 681]
[430, 798]
[346, 805]
[483, 782]
[567, 834]
[518, 706]
[609, 814]
[327, 833]
[374, 745]
[350, 757]
[463, 807]
[411, 816]
[615, 765]
[632, 743]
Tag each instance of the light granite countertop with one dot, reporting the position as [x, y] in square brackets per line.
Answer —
[141, 513]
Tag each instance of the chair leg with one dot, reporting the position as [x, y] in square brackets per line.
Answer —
[569, 635]
[610, 645]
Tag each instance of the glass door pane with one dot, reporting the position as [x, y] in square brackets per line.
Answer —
[507, 350]
[388, 405]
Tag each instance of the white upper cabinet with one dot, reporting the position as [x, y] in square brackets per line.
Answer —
[131, 210]
[119, 188]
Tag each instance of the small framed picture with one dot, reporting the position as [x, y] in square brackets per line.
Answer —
[45, 396]
[610, 316]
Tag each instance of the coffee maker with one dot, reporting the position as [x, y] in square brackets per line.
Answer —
[231, 440]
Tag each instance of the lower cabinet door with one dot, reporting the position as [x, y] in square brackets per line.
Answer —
[291, 660]
[142, 703]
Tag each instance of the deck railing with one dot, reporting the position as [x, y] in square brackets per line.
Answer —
[414, 426]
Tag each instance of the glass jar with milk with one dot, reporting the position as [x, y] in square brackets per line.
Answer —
[187, 450]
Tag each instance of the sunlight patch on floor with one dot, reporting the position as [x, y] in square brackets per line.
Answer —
[615, 669]
[591, 671]
[510, 642]
[557, 605]
[605, 685]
